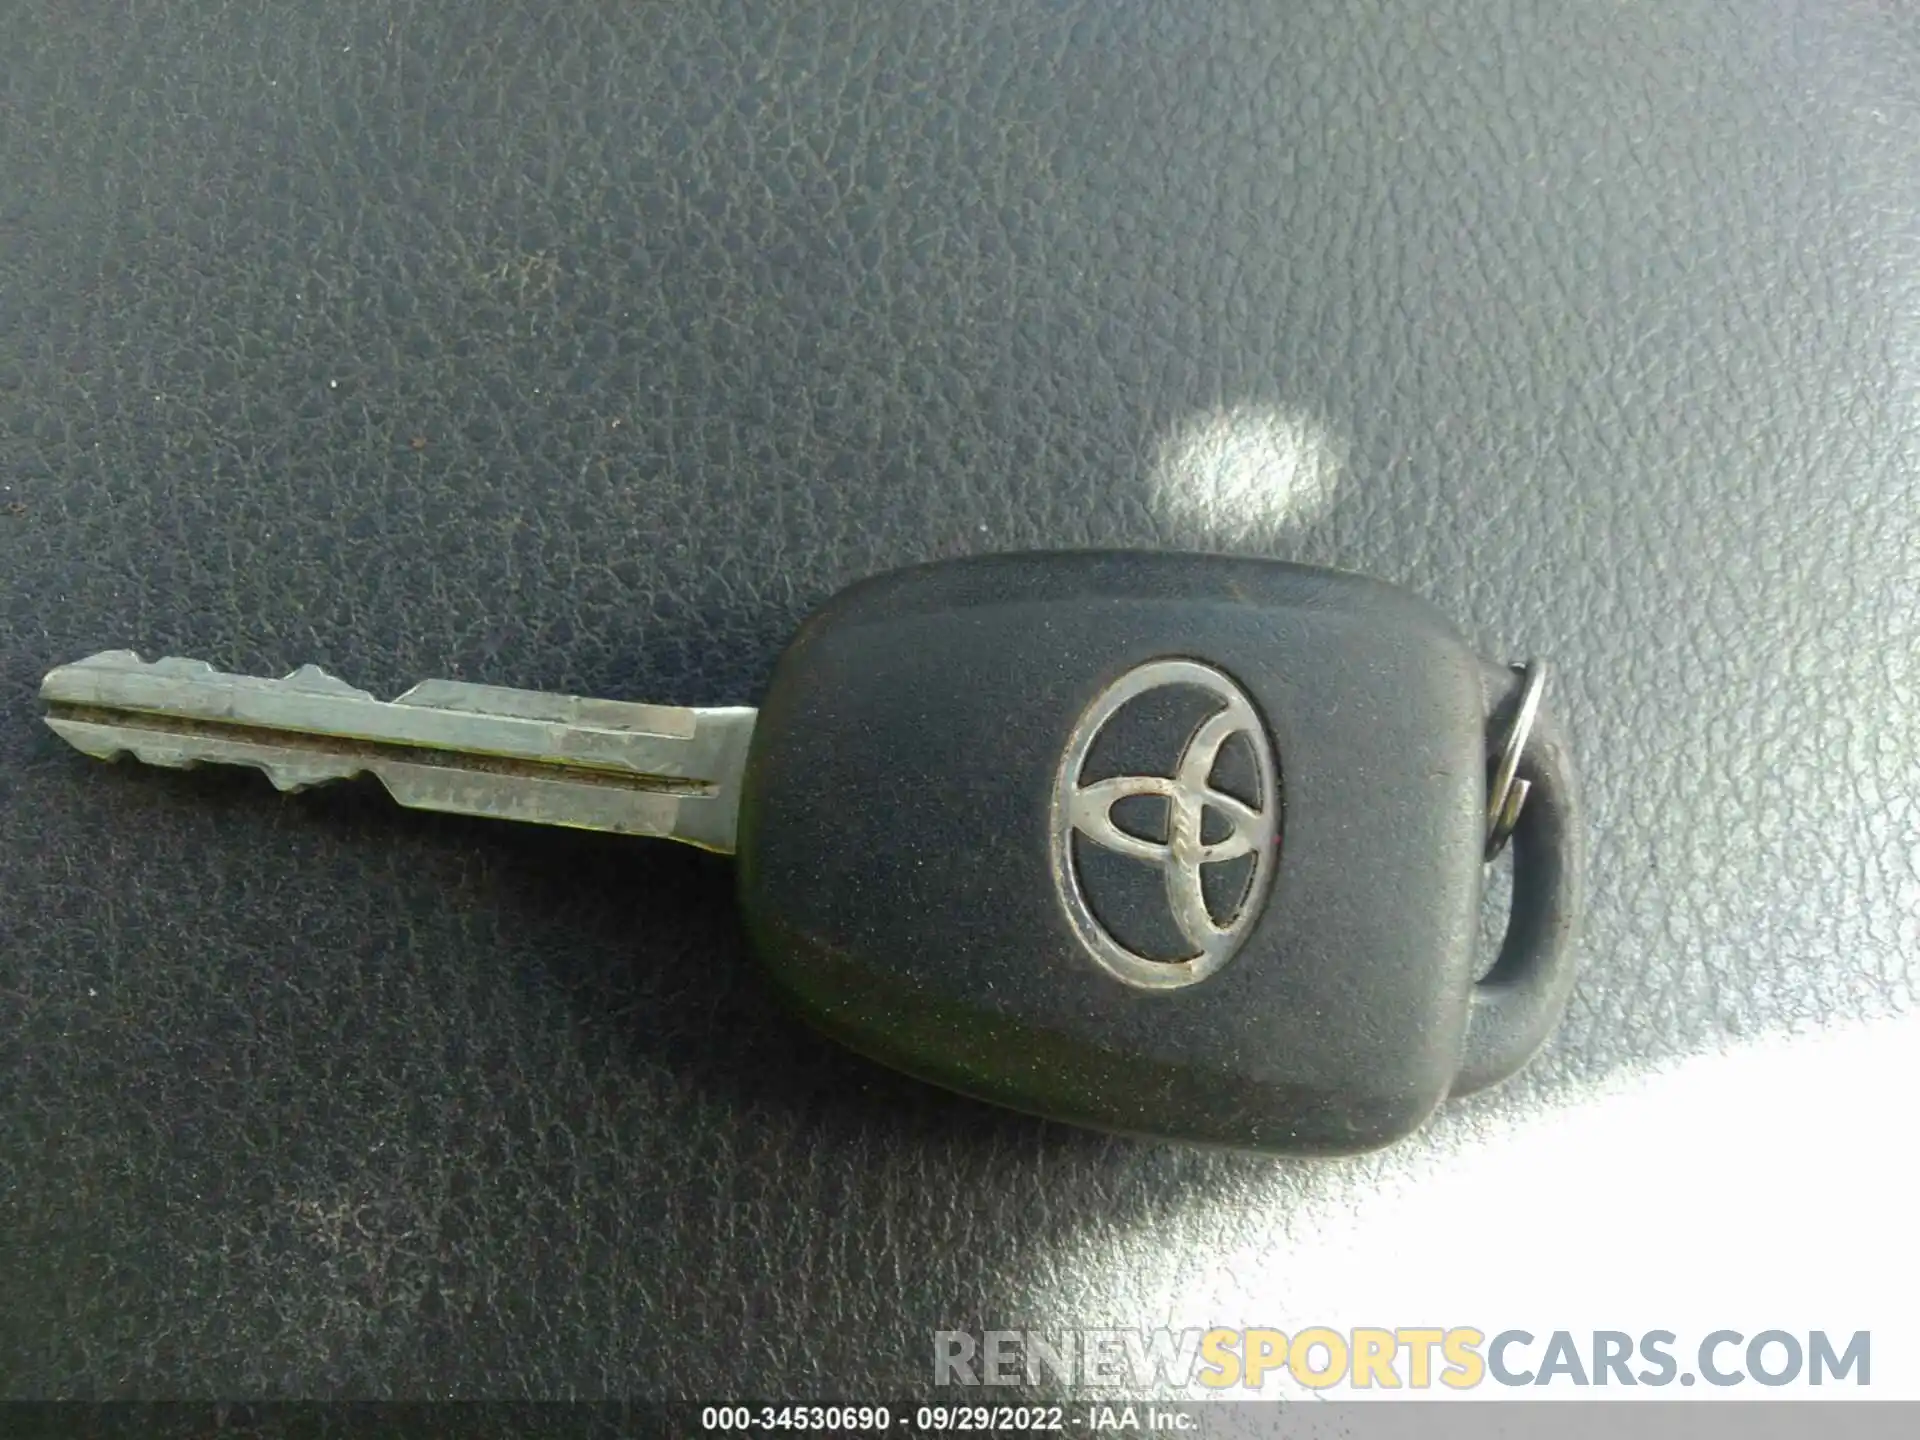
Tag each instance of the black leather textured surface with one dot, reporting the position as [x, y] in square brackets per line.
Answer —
[587, 347]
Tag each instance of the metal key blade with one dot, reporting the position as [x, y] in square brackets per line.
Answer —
[653, 770]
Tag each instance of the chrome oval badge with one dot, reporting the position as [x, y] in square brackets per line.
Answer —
[1215, 845]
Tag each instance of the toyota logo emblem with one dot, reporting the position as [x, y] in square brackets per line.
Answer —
[1203, 827]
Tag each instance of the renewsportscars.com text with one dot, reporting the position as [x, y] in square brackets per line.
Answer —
[1411, 1357]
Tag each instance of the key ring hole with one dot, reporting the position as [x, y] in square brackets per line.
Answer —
[1496, 913]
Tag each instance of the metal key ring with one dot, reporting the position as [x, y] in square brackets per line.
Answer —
[1509, 792]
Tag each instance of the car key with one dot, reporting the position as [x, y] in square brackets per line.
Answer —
[1182, 846]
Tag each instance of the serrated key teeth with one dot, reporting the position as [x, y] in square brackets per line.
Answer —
[315, 681]
[83, 676]
[445, 745]
[291, 779]
[87, 739]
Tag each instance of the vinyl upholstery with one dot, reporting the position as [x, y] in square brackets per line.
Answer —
[588, 347]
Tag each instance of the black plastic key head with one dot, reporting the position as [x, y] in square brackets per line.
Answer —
[1179, 845]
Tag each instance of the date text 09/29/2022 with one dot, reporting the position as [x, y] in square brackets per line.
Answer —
[949, 1419]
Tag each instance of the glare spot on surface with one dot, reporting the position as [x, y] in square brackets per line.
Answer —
[1765, 1186]
[1234, 478]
